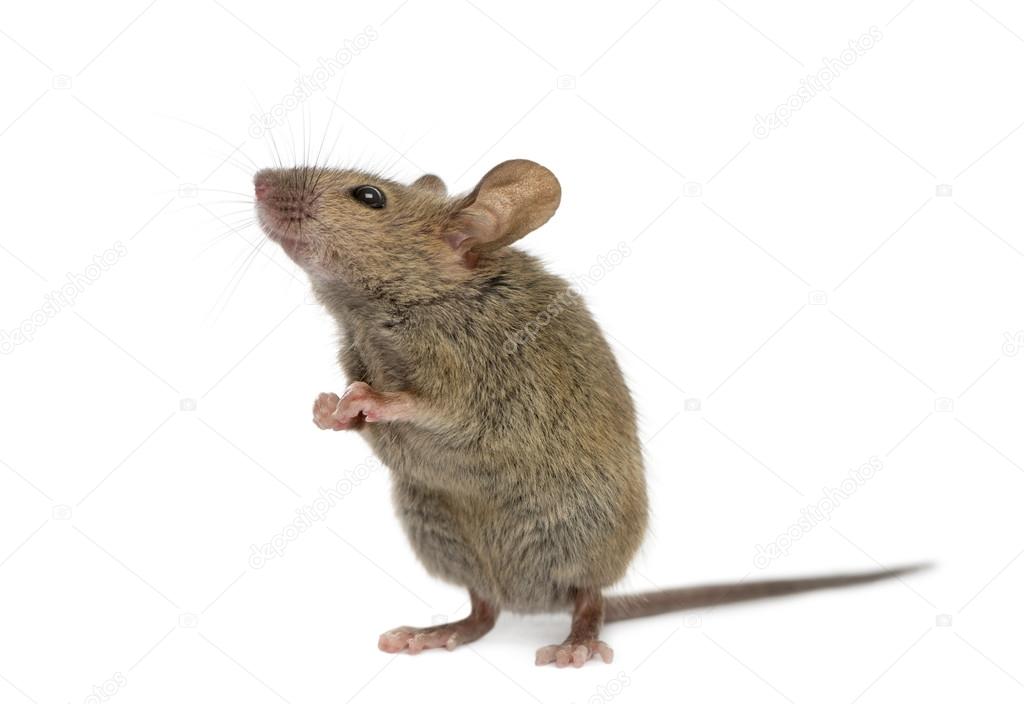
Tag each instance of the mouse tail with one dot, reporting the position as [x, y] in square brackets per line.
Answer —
[621, 607]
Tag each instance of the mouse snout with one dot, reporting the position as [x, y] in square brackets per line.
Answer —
[262, 185]
[284, 204]
[283, 189]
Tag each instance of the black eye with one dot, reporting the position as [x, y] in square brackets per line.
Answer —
[370, 196]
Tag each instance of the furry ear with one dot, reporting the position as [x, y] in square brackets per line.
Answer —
[511, 200]
[432, 183]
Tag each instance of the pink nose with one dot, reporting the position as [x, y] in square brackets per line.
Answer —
[262, 190]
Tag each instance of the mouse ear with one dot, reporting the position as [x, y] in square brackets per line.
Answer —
[511, 200]
[432, 183]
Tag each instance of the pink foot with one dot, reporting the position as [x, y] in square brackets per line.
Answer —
[575, 654]
[415, 640]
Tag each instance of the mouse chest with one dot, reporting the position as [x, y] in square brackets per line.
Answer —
[374, 356]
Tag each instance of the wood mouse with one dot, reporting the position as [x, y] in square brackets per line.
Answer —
[515, 463]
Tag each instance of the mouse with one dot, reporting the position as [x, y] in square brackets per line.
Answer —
[515, 462]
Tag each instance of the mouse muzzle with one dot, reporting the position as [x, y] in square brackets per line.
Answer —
[284, 207]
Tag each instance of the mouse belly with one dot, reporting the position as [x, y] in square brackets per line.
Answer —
[525, 555]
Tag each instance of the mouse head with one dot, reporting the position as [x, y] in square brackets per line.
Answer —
[406, 243]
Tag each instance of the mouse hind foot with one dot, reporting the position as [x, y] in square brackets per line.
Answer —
[582, 643]
[414, 640]
[575, 653]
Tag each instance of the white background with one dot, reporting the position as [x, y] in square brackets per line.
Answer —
[812, 291]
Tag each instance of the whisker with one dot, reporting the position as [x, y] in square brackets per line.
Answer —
[222, 217]
[268, 131]
[232, 230]
[193, 206]
[235, 149]
[228, 292]
[305, 157]
[225, 190]
[240, 165]
[291, 135]
[327, 129]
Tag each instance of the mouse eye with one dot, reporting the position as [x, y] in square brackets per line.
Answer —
[370, 196]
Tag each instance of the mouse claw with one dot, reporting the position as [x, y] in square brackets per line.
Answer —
[358, 404]
[361, 404]
[323, 412]
[575, 654]
[415, 640]
[546, 655]
[322, 408]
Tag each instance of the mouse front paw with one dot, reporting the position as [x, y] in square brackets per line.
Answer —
[323, 411]
[575, 653]
[331, 413]
[358, 404]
